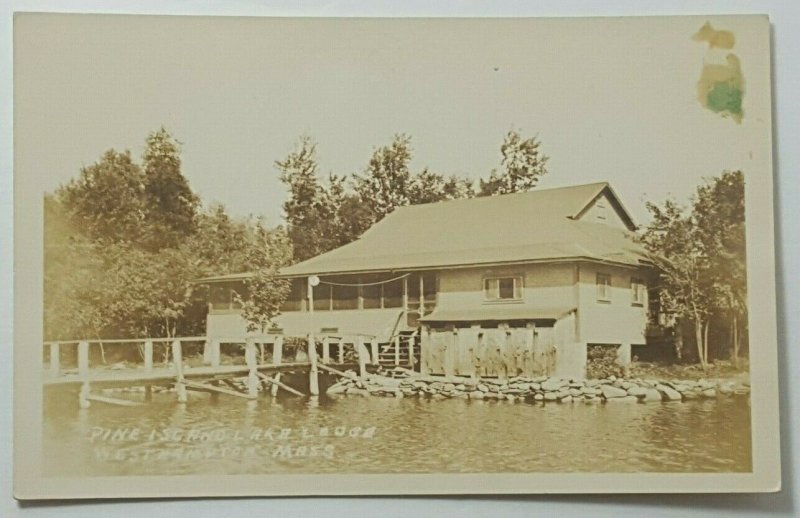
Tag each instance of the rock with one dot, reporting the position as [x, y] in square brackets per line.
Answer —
[575, 384]
[420, 384]
[483, 388]
[651, 395]
[612, 378]
[668, 393]
[535, 386]
[477, 394]
[709, 392]
[552, 385]
[636, 391]
[575, 392]
[610, 392]
[448, 387]
[626, 385]
[550, 396]
[566, 399]
[510, 397]
[538, 397]
[461, 386]
[591, 399]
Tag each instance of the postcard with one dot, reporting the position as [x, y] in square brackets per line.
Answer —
[371, 256]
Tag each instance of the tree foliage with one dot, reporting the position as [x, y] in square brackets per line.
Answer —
[700, 255]
[124, 245]
[170, 203]
[522, 165]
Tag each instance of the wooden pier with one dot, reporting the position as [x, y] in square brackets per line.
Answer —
[342, 356]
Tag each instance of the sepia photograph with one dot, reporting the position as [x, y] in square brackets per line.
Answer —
[383, 254]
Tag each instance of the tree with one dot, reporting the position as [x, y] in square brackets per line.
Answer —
[523, 164]
[700, 255]
[719, 210]
[430, 187]
[672, 240]
[386, 182]
[106, 200]
[266, 292]
[308, 211]
[170, 203]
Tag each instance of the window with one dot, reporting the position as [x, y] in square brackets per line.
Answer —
[638, 291]
[603, 287]
[503, 288]
[295, 299]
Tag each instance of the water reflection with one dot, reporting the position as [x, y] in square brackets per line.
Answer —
[387, 435]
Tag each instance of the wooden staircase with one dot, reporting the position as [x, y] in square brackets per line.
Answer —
[402, 351]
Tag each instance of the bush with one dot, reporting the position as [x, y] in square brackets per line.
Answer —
[602, 362]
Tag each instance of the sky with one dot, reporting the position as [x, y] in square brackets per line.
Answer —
[610, 99]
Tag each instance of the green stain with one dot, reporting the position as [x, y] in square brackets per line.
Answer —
[725, 97]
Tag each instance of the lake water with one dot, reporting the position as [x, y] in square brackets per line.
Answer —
[386, 435]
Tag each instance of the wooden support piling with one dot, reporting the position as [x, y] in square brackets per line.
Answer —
[276, 382]
[277, 358]
[213, 389]
[362, 353]
[252, 364]
[341, 352]
[83, 372]
[374, 351]
[313, 379]
[148, 355]
[326, 349]
[112, 400]
[215, 353]
[337, 371]
[55, 359]
[180, 381]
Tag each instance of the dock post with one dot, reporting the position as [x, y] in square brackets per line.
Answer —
[215, 355]
[55, 359]
[313, 380]
[277, 358]
[362, 361]
[177, 358]
[341, 352]
[326, 349]
[374, 352]
[397, 351]
[83, 371]
[148, 355]
[250, 360]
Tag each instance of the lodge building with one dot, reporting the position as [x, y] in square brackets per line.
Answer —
[562, 261]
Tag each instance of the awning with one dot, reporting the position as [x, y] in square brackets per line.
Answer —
[496, 313]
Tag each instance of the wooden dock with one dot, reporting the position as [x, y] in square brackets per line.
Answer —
[340, 356]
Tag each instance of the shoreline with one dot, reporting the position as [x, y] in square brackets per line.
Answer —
[543, 389]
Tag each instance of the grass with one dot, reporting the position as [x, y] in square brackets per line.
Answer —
[717, 369]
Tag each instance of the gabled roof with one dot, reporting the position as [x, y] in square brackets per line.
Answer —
[540, 225]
